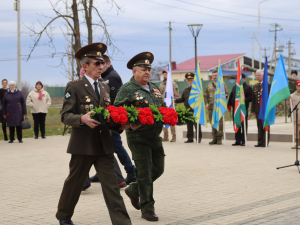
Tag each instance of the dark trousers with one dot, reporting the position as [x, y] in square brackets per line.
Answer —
[190, 131]
[12, 133]
[4, 130]
[39, 123]
[261, 132]
[240, 134]
[122, 153]
[118, 171]
[79, 168]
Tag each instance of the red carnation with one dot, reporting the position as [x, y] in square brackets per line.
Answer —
[169, 115]
[111, 108]
[115, 116]
[123, 119]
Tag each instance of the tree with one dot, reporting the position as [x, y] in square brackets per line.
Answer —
[155, 75]
[84, 8]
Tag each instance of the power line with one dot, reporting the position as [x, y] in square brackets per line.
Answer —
[242, 14]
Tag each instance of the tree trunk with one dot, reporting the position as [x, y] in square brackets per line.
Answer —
[88, 18]
[77, 44]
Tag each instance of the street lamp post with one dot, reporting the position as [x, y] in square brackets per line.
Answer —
[17, 8]
[195, 29]
[259, 32]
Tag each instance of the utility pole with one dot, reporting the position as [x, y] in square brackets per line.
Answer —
[68, 42]
[277, 28]
[265, 51]
[170, 43]
[252, 56]
[290, 54]
[17, 8]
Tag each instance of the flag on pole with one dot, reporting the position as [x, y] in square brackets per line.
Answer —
[220, 103]
[196, 99]
[264, 95]
[239, 105]
[169, 95]
[279, 92]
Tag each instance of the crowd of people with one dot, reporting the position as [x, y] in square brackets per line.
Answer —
[13, 110]
[92, 143]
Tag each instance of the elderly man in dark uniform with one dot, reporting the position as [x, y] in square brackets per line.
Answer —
[240, 135]
[185, 98]
[90, 142]
[255, 109]
[144, 142]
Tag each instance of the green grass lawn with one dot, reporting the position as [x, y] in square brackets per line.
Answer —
[53, 125]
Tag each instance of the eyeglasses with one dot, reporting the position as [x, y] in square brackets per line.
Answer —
[98, 63]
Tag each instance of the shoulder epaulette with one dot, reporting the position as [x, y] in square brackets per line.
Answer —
[76, 81]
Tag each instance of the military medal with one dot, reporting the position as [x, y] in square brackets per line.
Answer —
[88, 100]
[86, 85]
[146, 101]
[82, 107]
[86, 107]
[91, 106]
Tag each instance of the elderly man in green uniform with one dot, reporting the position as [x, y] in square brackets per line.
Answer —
[162, 88]
[209, 98]
[90, 142]
[144, 141]
[185, 98]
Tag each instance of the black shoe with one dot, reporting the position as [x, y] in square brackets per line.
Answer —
[122, 184]
[150, 216]
[86, 186]
[5, 138]
[263, 146]
[43, 137]
[36, 137]
[20, 141]
[64, 222]
[243, 144]
[11, 141]
[258, 145]
[236, 144]
[130, 178]
[94, 178]
[189, 141]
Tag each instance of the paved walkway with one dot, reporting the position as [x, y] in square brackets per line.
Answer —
[202, 184]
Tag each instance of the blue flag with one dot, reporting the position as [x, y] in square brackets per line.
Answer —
[279, 91]
[196, 99]
[264, 94]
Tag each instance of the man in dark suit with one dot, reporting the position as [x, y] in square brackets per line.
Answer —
[255, 108]
[90, 142]
[240, 135]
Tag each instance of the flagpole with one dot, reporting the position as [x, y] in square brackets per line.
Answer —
[266, 138]
[292, 116]
[224, 130]
[175, 125]
[197, 133]
[245, 132]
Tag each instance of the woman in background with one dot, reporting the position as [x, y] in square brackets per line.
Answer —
[2, 120]
[14, 110]
[39, 101]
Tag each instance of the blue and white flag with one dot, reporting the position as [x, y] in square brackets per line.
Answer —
[169, 95]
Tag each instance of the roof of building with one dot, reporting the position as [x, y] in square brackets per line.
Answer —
[206, 62]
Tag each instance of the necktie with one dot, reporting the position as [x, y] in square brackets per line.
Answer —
[96, 90]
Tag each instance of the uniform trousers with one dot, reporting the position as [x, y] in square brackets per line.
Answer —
[149, 158]
[79, 168]
[295, 132]
[216, 133]
[261, 132]
[12, 133]
[240, 134]
[190, 131]
[39, 123]
[166, 132]
[4, 129]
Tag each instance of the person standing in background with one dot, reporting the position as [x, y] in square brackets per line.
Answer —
[2, 120]
[39, 101]
[13, 110]
[162, 88]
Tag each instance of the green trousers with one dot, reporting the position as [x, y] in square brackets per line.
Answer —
[79, 168]
[216, 133]
[149, 158]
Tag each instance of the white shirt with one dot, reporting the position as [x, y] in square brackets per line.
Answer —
[92, 82]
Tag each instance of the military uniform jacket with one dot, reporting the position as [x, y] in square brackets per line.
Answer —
[84, 140]
[162, 88]
[132, 93]
[185, 98]
[256, 95]
[209, 94]
[295, 97]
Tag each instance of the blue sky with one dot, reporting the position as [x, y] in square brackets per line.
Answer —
[142, 25]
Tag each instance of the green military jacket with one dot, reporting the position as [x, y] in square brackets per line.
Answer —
[209, 94]
[132, 93]
[80, 97]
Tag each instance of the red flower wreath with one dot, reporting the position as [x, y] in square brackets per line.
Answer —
[145, 116]
[118, 115]
[169, 115]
